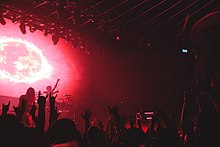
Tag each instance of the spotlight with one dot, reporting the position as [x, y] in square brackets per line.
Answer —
[67, 38]
[148, 44]
[2, 20]
[118, 38]
[32, 29]
[184, 50]
[22, 27]
[55, 39]
[14, 21]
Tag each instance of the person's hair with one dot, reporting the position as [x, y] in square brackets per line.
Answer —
[30, 96]
[30, 92]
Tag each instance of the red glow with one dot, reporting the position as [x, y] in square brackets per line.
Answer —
[149, 113]
[144, 126]
[31, 59]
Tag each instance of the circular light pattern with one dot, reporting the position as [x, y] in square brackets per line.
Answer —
[22, 62]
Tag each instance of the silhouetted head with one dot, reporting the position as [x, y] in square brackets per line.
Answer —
[12, 133]
[30, 91]
[95, 137]
[30, 95]
[133, 137]
[62, 131]
[49, 88]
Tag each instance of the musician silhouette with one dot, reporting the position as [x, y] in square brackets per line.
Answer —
[50, 90]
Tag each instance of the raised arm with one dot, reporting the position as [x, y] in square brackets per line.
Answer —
[5, 108]
[55, 86]
[114, 112]
[41, 113]
[86, 116]
[54, 114]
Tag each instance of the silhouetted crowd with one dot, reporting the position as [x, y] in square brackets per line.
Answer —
[25, 128]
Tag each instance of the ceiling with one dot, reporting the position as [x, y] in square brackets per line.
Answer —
[147, 22]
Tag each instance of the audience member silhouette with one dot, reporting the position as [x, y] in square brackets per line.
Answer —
[26, 127]
[95, 137]
[63, 131]
[24, 107]
[12, 132]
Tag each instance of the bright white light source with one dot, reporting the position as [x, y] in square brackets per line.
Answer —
[22, 61]
[184, 50]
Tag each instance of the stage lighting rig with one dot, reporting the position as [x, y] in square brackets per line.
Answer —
[66, 27]
[14, 19]
[32, 29]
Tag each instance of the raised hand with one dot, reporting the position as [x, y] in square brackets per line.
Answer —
[87, 114]
[5, 108]
[52, 99]
[19, 111]
[53, 110]
[41, 99]
[113, 110]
